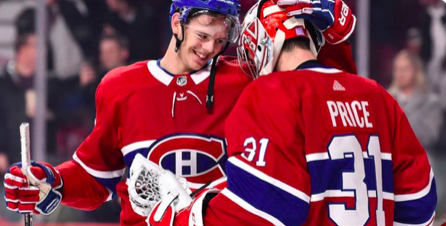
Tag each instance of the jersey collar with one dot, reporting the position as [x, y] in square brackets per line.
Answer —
[166, 77]
[314, 65]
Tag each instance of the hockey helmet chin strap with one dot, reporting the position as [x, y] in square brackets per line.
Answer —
[179, 41]
[210, 94]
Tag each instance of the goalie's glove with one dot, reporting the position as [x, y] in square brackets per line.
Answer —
[39, 192]
[333, 17]
[148, 183]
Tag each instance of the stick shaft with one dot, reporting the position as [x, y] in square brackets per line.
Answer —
[26, 160]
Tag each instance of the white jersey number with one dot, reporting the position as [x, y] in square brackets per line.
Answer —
[342, 147]
[251, 150]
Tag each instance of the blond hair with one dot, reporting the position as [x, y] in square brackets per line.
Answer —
[417, 64]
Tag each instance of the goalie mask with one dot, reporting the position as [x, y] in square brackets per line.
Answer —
[265, 29]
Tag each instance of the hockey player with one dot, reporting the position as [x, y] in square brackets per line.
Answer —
[157, 108]
[310, 144]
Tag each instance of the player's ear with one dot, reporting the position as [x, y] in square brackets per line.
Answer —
[175, 24]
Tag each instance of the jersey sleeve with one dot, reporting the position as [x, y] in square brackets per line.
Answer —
[414, 183]
[80, 189]
[338, 56]
[262, 146]
[99, 155]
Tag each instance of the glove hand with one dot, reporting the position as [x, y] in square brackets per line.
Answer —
[38, 192]
[333, 17]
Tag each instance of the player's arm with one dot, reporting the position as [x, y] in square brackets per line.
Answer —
[414, 183]
[336, 21]
[98, 158]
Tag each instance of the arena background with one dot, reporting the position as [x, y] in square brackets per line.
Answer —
[79, 32]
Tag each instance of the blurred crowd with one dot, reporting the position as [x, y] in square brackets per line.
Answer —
[88, 38]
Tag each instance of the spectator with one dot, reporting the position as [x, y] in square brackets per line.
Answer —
[113, 53]
[17, 99]
[73, 32]
[139, 25]
[421, 106]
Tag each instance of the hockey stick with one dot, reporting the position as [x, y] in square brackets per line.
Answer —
[26, 160]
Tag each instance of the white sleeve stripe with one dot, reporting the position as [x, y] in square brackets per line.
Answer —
[248, 207]
[135, 146]
[418, 195]
[275, 182]
[428, 223]
[97, 173]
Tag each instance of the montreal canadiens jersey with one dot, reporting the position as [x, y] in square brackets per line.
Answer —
[143, 109]
[318, 146]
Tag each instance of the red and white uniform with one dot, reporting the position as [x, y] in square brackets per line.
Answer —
[318, 146]
[143, 109]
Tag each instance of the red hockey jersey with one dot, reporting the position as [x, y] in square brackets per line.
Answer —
[319, 146]
[143, 109]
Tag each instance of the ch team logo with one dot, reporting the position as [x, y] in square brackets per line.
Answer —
[197, 158]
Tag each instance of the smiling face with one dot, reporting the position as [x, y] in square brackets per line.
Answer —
[205, 37]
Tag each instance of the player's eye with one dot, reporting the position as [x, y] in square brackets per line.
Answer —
[202, 36]
[221, 41]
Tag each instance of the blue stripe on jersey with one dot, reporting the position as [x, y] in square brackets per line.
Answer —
[110, 184]
[266, 197]
[417, 211]
[327, 174]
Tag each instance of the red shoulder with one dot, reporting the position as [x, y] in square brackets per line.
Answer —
[229, 68]
[124, 78]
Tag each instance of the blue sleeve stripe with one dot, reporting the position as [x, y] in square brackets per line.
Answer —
[248, 207]
[110, 184]
[418, 211]
[277, 199]
[430, 222]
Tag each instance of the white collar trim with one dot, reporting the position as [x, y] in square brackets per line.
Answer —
[166, 78]
[159, 73]
[324, 70]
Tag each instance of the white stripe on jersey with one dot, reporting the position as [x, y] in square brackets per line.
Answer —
[239, 201]
[137, 145]
[430, 222]
[340, 193]
[418, 195]
[273, 181]
[97, 173]
[325, 156]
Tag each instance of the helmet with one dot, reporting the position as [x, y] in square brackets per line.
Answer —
[264, 31]
[230, 8]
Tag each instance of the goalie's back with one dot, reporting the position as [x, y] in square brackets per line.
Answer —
[323, 147]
